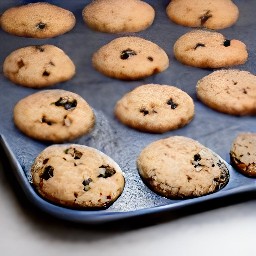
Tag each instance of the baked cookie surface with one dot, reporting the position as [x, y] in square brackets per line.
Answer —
[207, 49]
[53, 115]
[155, 108]
[212, 14]
[77, 176]
[115, 16]
[179, 167]
[38, 66]
[130, 58]
[243, 153]
[37, 20]
[229, 91]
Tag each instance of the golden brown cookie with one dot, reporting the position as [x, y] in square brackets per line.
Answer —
[243, 153]
[37, 20]
[115, 16]
[229, 91]
[38, 66]
[53, 115]
[155, 108]
[207, 49]
[179, 167]
[212, 14]
[77, 176]
[130, 58]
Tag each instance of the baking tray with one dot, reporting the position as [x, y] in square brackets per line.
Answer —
[213, 129]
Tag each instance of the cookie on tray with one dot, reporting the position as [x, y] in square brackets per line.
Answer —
[207, 49]
[155, 108]
[116, 16]
[53, 115]
[229, 91]
[37, 20]
[38, 66]
[179, 167]
[77, 176]
[211, 14]
[130, 58]
[243, 153]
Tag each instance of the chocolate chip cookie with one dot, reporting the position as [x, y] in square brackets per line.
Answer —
[53, 115]
[179, 167]
[212, 14]
[77, 176]
[243, 153]
[229, 91]
[37, 20]
[155, 108]
[130, 58]
[207, 49]
[116, 16]
[38, 66]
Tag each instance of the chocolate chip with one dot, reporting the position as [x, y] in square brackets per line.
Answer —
[66, 102]
[205, 17]
[44, 120]
[74, 153]
[197, 157]
[127, 53]
[86, 184]
[20, 64]
[39, 48]
[144, 111]
[226, 43]
[46, 161]
[150, 58]
[172, 104]
[48, 173]
[199, 45]
[46, 73]
[41, 25]
[106, 171]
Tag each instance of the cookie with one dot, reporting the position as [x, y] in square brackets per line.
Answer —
[116, 16]
[179, 167]
[37, 20]
[206, 49]
[229, 91]
[77, 176]
[243, 154]
[53, 115]
[211, 14]
[155, 108]
[38, 66]
[130, 58]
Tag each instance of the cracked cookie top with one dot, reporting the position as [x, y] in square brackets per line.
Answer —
[212, 14]
[77, 176]
[179, 167]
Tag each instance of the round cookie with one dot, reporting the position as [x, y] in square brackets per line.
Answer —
[211, 14]
[130, 58]
[37, 20]
[229, 91]
[206, 49]
[53, 115]
[155, 108]
[77, 176]
[38, 66]
[179, 167]
[116, 16]
[243, 154]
